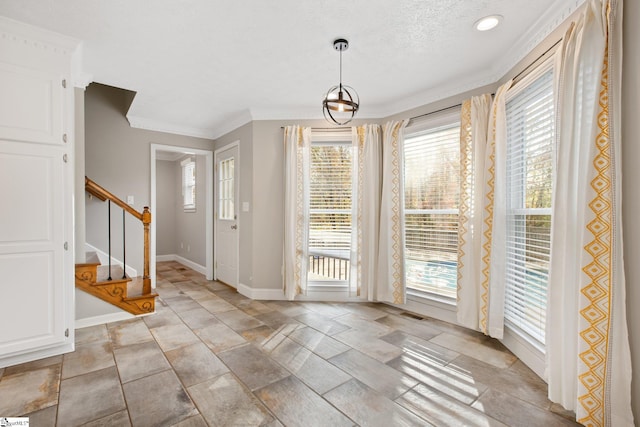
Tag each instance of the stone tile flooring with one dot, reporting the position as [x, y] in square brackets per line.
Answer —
[210, 356]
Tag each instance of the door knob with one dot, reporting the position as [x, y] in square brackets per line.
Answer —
[234, 227]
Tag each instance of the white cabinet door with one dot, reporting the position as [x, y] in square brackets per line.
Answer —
[36, 194]
[31, 247]
[31, 105]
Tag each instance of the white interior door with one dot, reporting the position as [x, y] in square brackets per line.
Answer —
[226, 216]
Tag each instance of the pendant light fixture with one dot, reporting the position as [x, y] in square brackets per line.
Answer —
[341, 102]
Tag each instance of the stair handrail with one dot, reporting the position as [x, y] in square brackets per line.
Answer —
[145, 216]
[103, 194]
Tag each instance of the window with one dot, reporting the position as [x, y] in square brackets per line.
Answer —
[226, 210]
[432, 193]
[330, 212]
[530, 137]
[188, 184]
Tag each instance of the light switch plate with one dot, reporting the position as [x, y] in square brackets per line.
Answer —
[245, 206]
[130, 200]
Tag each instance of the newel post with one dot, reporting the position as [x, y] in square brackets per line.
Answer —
[146, 280]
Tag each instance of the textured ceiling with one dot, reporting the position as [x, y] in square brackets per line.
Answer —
[204, 67]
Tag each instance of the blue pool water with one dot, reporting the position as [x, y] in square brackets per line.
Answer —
[444, 274]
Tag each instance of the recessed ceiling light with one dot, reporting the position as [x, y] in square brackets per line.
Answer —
[488, 22]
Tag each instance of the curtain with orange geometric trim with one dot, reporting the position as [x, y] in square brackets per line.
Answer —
[474, 122]
[390, 268]
[588, 356]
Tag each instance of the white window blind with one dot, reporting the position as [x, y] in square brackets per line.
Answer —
[188, 184]
[530, 137]
[432, 194]
[330, 211]
[226, 208]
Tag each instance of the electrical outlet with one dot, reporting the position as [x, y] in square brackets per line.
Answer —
[188, 248]
[181, 245]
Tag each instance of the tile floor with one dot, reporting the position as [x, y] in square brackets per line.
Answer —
[211, 357]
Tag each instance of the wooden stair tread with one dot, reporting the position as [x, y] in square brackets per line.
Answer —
[125, 293]
[116, 273]
[134, 288]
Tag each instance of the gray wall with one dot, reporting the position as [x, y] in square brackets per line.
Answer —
[165, 215]
[118, 158]
[630, 180]
[190, 237]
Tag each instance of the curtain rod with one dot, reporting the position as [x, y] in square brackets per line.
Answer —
[434, 112]
[535, 61]
[336, 128]
[515, 80]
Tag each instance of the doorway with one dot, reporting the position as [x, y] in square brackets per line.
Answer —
[156, 150]
[227, 192]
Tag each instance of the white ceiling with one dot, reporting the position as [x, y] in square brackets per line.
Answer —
[204, 67]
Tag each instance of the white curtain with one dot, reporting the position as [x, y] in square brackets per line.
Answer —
[297, 148]
[391, 240]
[368, 141]
[494, 224]
[588, 356]
[473, 141]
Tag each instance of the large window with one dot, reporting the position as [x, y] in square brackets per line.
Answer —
[432, 193]
[530, 137]
[330, 212]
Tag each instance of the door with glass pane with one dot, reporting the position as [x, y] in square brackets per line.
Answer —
[330, 214]
[226, 230]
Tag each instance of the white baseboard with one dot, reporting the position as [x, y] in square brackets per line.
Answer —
[37, 355]
[312, 295]
[104, 318]
[104, 260]
[182, 260]
[261, 294]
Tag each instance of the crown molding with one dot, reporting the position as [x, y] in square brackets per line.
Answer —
[160, 126]
[537, 33]
[227, 126]
[37, 37]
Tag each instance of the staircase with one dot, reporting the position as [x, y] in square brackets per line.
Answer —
[108, 282]
[122, 291]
